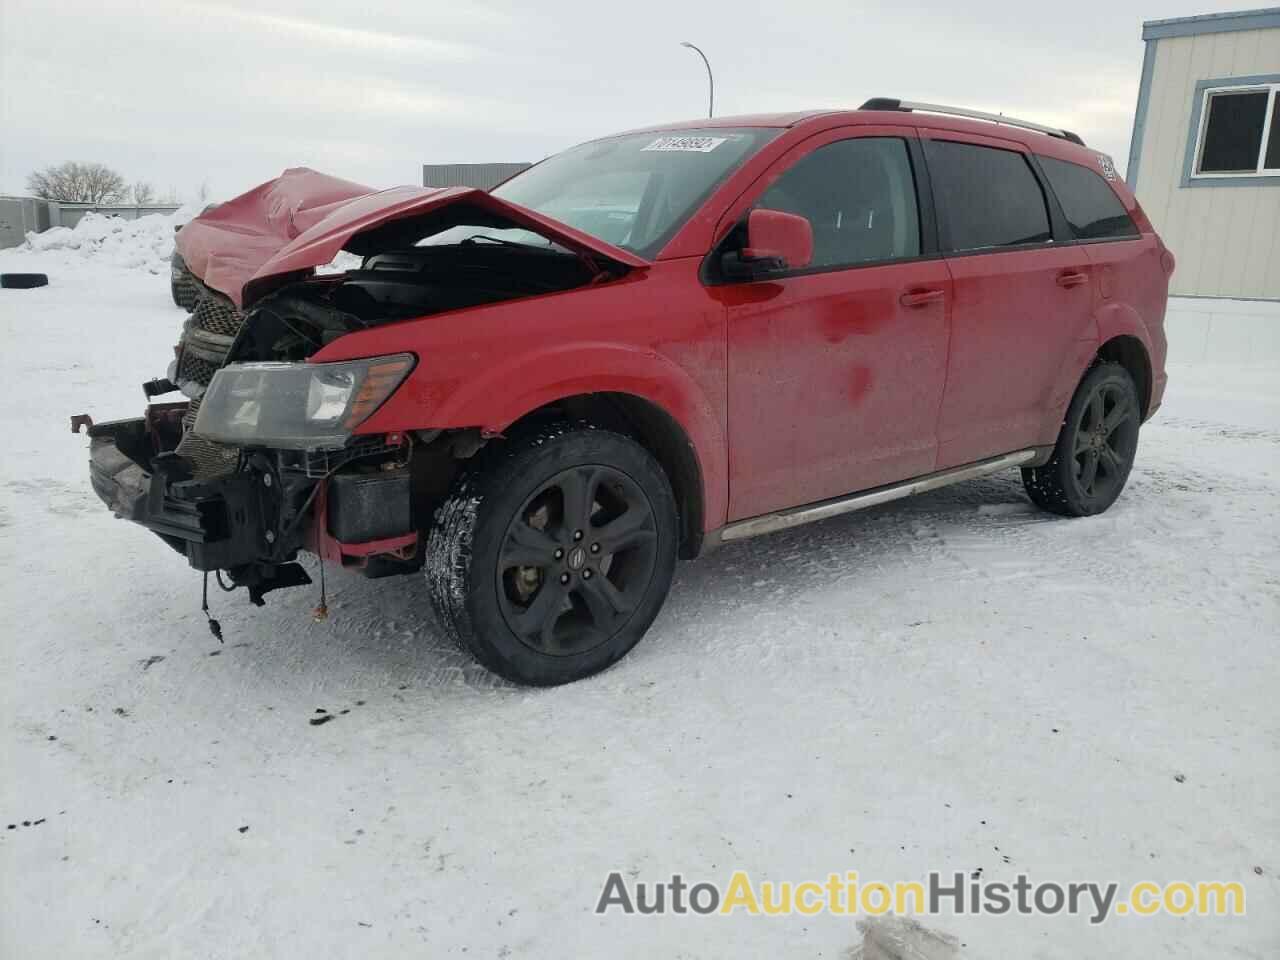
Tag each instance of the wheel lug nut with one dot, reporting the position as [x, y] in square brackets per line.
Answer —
[577, 535]
[586, 574]
[559, 553]
[595, 548]
[564, 578]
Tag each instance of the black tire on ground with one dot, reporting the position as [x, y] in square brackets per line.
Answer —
[1095, 448]
[23, 281]
[554, 552]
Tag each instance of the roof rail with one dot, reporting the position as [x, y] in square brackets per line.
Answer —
[886, 103]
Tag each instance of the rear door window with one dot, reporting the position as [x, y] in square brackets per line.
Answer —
[988, 197]
[1092, 208]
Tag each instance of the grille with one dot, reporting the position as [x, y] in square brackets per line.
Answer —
[207, 335]
[217, 315]
[208, 458]
[195, 368]
[213, 315]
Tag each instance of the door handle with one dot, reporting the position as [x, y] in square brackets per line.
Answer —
[922, 298]
[1072, 278]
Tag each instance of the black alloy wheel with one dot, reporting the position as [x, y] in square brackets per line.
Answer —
[1095, 449]
[577, 559]
[1106, 439]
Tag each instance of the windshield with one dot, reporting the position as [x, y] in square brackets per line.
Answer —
[633, 191]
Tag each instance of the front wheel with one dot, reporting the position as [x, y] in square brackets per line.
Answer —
[554, 553]
[1095, 448]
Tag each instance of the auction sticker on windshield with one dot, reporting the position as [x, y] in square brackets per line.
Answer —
[686, 144]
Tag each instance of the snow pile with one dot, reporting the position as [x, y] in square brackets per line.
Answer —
[341, 263]
[142, 244]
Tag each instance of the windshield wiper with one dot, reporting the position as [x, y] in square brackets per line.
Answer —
[477, 237]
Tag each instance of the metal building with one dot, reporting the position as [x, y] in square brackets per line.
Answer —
[1205, 155]
[482, 175]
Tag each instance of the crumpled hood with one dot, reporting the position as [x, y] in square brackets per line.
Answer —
[227, 245]
[302, 219]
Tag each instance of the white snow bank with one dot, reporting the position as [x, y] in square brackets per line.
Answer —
[142, 244]
[1208, 330]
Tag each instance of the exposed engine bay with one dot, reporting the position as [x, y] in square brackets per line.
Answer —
[402, 284]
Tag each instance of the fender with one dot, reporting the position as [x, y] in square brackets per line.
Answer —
[501, 393]
[1116, 319]
[1121, 319]
[1112, 319]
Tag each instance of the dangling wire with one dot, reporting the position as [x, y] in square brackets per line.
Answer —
[321, 613]
[214, 626]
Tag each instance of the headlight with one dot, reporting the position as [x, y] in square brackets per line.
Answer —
[298, 406]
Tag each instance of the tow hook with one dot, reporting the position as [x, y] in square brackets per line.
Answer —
[81, 420]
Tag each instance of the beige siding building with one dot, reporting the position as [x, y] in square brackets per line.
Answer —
[1205, 155]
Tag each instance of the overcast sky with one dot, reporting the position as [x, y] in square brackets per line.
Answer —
[230, 92]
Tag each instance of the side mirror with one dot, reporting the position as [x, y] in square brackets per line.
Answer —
[782, 241]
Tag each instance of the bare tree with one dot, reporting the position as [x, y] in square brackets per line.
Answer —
[202, 194]
[143, 193]
[78, 183]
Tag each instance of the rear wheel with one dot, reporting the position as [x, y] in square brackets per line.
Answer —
[554, 553]
[1095, 448]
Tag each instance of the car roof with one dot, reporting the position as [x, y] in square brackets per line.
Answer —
[823, 119]
[740, 120]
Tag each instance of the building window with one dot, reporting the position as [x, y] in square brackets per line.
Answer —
[1239, 132]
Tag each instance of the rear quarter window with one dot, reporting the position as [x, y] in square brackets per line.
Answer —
[1091, 207]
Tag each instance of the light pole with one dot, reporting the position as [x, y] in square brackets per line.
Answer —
[711, 83]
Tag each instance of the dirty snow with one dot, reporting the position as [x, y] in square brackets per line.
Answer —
[891, 692]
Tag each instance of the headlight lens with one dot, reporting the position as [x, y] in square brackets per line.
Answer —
[297, 406]
[329, 395]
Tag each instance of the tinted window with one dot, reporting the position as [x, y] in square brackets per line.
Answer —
[1092, 208]
[1233, 132]
[860, 198]
[989, 197]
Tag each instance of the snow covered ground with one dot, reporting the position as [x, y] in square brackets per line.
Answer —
[892, 692]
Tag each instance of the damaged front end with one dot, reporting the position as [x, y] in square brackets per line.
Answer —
[264, 457]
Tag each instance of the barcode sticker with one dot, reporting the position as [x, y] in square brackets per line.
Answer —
[686, 144]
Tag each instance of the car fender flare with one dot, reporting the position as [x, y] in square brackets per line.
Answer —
[556, 373]
[1121, 320]
[1111, 320]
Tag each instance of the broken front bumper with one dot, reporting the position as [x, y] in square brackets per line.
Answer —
[253, 517]
[227, 523]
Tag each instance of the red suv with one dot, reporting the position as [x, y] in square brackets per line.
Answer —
[640, 348]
